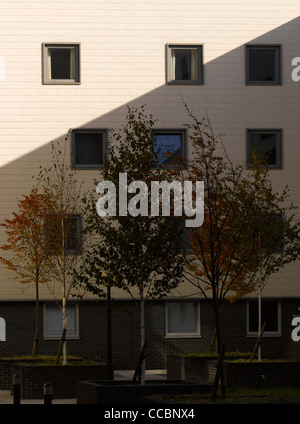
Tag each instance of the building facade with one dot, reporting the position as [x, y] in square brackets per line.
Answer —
[76, 66]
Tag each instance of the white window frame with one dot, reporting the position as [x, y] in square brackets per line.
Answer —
[75, 48]
[266, 333]
[57, 336]
[195, 334]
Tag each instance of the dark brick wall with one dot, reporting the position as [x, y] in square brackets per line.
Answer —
[87, 392]
[5, 371]
[255, 373]
[63, 379]
[20, 323]
[175, 367]
[262, 374]
[20, 330]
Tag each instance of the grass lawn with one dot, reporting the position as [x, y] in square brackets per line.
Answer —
[48, 360]
[242, 395]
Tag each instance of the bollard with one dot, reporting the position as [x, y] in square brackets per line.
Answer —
[16, 389]
[47, 394]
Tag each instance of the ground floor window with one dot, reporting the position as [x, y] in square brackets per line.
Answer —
[53, 323]
[2, 330]
[270, 313]
[182, 319]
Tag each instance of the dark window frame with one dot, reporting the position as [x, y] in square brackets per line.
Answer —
[46, 47]
[79, 238]
[279, 146]
[200, 67]
[103, 132]
[278, 71]
[173, 131]
[267, 332]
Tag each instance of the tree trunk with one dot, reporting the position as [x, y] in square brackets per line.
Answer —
[109, 335]
[60, 347]
[64, 329]
[36, 337]
[259, 300]
[218, 376]
[217, 327]
[142, 304]
[259, 323]
[64, 298]
[219, 347]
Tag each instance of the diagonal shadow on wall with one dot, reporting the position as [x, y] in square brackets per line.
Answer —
[231, 105]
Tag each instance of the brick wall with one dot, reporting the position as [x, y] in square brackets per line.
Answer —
[262, 374]
[175, 367]
[63, 379]
[19, 317]
[254, 373]
[5, 374]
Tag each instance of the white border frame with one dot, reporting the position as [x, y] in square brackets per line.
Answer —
[57, 337]
[197, 334]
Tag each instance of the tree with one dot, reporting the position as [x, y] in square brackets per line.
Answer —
[135, 251]
[26, 241]
[274, 228]
[63, 229]
[240, 243]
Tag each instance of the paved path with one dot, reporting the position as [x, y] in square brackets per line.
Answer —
[7, 398]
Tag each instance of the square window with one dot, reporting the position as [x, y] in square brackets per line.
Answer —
[61, 64]
[88, 148]
[64, 231]
[184, 64]
[270, 313]
[170, 146]
[263, 65]
[267, 143]
[182, 319]
[53, 321]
